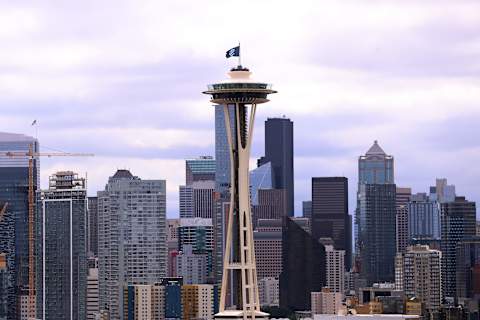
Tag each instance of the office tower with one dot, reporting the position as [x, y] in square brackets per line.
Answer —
[222, 149]
[376, 216]
[326, 301]
[260, 178]
[198, 234]
[92, 306]
[335, 268]
[196, 200]
[219, 220]
[192, 267]
[478, 228]
[14, 172]
[268, 248]
[173, 298]
[401, 204]
[268, 289]
[198, 301]
[92, 226]
[203, 197]
[442, 192]
[241, 92]
[144, 302]
[61, 248]
[468, 268]
[279, 152]
[304, 270]
[458, 222]
[423, 217]
[132, 246]
[271, 205]
[185, 201]
[330, 218]
[307, 209]
[200, 169]
[418, 274]
[172, 246]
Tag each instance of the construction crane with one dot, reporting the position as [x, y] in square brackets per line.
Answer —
[2, 211]
[31, 155]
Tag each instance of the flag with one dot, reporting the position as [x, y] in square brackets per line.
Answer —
[34, 122]
[234, 52]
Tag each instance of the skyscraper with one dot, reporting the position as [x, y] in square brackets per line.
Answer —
[260, 178]
[200, 169]
[335, 268]
[423, 217]
[272, 204]
[279, 152]
[468, 268]
[330, 218]
[222, 150]
[268, 248]
[376, 216]
[304, 266]
[14, 191]
[92, 226]
[61, 242]
[458, 223]
[402, 198]
[131, 237]
[418, 274]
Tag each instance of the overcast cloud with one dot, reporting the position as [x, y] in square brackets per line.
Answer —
[123, 79]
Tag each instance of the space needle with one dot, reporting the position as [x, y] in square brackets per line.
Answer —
[239, 94]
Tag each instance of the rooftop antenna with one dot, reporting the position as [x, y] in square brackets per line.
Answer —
[239, 55]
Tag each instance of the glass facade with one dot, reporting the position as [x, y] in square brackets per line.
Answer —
[260, 178]
[375, 217]
[14, 191]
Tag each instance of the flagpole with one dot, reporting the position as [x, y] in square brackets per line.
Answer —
[239, 54]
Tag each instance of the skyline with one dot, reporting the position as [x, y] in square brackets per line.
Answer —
[88, 76]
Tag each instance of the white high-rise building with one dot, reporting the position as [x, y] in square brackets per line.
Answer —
[269, 291]
[418, 274]
[335, 268]
[132, 240]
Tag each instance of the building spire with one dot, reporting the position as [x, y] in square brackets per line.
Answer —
[375, 149]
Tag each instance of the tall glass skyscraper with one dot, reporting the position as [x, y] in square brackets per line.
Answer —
[61, 248]
[222, 152]
[279, 152]
[376, 216]
[260, 178]
[14, 193]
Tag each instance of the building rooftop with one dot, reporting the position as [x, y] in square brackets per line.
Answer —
[123, 174]
[6, 136]
[375, 149]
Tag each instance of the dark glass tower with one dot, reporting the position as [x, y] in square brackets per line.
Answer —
[330, 217]
[14, 192]
[61, 248]
[303, 260]
[279, 152]
[375, 217]
[468, 268]
[458, 222]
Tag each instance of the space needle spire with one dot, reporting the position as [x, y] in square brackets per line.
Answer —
[244, 94]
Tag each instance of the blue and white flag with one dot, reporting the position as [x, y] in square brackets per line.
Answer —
[234, 52]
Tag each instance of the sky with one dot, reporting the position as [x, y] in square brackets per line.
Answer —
[123, 80]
